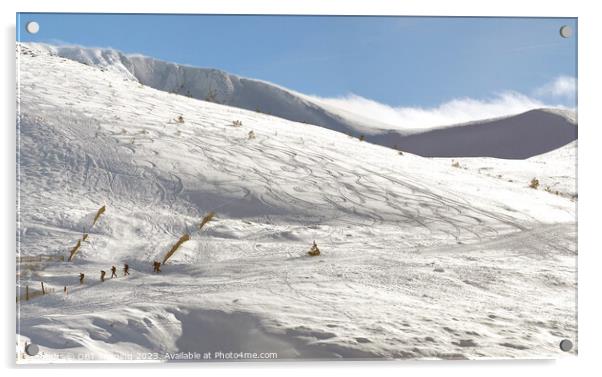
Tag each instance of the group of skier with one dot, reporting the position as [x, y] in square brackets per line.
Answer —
[314, 251]
[126, 271]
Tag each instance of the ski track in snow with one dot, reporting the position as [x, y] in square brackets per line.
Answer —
[419, 259]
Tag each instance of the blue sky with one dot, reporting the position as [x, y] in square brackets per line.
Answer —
[395, 61]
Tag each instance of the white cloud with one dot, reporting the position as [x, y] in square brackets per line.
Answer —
[456, 111]
[561, 87]
[370, 114]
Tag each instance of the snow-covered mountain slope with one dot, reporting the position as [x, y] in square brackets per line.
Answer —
[419, 259]
[554, 170]
[210, 84]
[517, 136]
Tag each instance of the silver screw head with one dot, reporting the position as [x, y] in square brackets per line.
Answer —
[32, 349]
[566, 31]
[566, 345]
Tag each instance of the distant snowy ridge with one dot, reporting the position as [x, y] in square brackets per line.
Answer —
[514, 136]
[206, 83]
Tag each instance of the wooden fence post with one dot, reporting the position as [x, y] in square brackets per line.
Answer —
[43, 290]
[27, 293]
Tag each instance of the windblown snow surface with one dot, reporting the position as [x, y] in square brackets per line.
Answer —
[419, 259]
